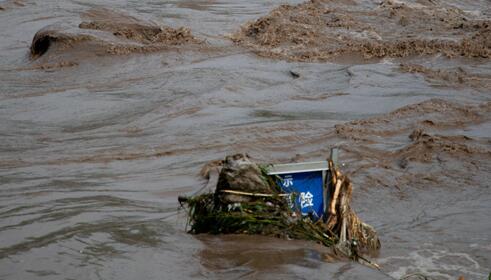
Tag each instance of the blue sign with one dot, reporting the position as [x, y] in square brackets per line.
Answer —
[307, 188]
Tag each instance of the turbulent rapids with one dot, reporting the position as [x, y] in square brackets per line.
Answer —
[108, 111]
[104, 31]
[320, 30]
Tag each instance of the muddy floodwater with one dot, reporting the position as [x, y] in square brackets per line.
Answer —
[109, 109]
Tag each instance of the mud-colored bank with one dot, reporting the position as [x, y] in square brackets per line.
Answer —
[110, 113]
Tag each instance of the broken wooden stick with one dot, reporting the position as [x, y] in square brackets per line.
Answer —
[332, 207]
[254, 194]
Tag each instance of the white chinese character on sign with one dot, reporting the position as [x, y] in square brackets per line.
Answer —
[306, 199]
[290, 200]
[287, 182]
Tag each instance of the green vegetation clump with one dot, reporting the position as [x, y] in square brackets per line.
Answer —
[270, 216]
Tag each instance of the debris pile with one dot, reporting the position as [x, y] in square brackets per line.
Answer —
[249, 201]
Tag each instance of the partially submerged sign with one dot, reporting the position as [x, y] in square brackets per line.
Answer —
[305, 182]
[251, 198]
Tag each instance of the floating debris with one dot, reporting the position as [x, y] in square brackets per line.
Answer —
[283, 201]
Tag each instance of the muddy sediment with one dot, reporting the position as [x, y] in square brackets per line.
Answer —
[321, 30]
[106, 31]
[422, 145]
[434, 113]
[454, 77]
[423, 130]
[96, 147]
[9, 4]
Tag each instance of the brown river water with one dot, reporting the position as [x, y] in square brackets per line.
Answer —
[121, 103]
